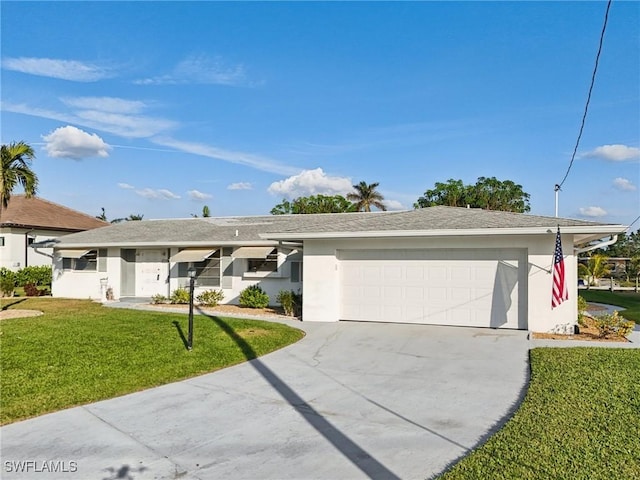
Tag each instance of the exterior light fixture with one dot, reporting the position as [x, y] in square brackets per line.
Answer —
[191, 273]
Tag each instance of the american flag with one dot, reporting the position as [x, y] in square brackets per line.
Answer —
[559, 293]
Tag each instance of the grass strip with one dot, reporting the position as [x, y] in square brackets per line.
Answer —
[80, 352]
[580, 419]
[629, 300]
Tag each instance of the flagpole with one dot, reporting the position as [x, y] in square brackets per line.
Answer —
[556, 189]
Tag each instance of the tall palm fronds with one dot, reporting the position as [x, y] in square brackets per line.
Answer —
[15, 168]
[595, 268]
[366, 196]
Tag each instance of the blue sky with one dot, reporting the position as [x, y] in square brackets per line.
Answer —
[159, 108]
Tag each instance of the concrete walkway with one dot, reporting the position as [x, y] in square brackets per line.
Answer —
[350, 400]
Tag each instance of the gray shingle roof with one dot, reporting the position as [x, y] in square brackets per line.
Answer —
[252, 230]
[436, 218]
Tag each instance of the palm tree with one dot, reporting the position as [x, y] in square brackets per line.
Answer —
[595, 268]
[15, 168]
[102, 216]
[366, 196]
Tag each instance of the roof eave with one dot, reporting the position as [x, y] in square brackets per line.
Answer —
[202, 243]
[597, 230]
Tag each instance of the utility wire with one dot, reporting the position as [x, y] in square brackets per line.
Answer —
[586, 107]
[631, 224]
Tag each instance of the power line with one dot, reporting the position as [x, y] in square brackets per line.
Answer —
[586, 107]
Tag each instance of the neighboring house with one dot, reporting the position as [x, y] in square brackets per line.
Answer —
[28, 221]
[437, 265]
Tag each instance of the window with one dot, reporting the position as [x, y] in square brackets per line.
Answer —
[296, 272]
[269, 264]
[1, 241]
[87, 263]
[207, 271]
[102, 260]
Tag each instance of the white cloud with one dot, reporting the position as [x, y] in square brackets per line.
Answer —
[125, 125]
[624, 184]
[593, 212]
[241, 158]
[126, 186]
[56, 68]
[394, 205]
[196, 195]
[160, 194]
[105, 104]
[71, 142]
[130, 126]
[201, 70]
[240, 186]
[311, 182]
[614, 153]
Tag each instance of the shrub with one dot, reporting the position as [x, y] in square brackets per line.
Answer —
[254, 297]
[210, 298]
[582, 308]
[613, 325]
[291, 302]
[180, 295]
[36, 275]
[7, 282]
[157, 299]
[30, 290]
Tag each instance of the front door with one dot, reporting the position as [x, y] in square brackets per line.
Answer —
[152, 272]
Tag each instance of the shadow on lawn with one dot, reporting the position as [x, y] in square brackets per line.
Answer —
[185, 342]
[5, 307]
[351, 450]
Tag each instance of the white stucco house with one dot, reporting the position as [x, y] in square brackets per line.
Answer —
[27, 221]
[437, 265]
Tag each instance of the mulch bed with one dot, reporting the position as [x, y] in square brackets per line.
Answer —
[588, 331]
[234, 310]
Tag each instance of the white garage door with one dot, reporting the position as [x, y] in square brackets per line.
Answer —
[478, 288]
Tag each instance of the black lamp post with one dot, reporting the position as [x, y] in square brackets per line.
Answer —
[192, 278]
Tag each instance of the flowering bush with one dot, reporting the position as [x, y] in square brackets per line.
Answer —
[613, 325]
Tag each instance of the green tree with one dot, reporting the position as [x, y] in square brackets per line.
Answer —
[493, 194]
[627, 246]
[15, 168]
[314, 204]
[103, 217]
[596, 267]
[134, 217]
[366, 196]
[452, 194]
[205, 212]
[487, 193]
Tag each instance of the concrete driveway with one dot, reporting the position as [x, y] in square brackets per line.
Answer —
[351, 400]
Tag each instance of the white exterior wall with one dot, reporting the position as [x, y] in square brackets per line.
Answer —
[79, 284]
[75, 284]
[321, 291]
[12, 255]
[271, 283]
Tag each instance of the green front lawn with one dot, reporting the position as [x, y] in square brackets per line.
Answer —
[629, 300]
[580, 419]
[80, 352]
